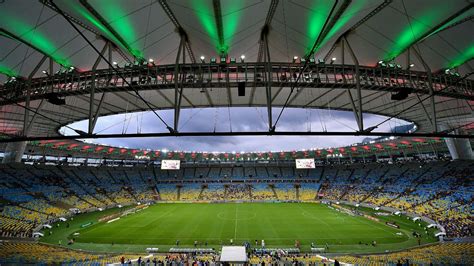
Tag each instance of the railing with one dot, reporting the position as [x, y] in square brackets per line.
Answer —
[208, 75]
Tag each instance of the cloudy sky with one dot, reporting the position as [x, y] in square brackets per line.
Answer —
[235, 119]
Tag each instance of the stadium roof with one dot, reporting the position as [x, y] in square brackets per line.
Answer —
[148, 31]
[420, 36]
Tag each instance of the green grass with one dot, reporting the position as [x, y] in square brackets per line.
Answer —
[280, 224]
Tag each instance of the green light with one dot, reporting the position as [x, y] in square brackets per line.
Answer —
[317, 16]
[411, 33]
[354, 8]
[7, 71]
[451, 22]
[466, 55]
[207, 20]
[120, 21]
[231, 21]
[32, 37]
[89, 17]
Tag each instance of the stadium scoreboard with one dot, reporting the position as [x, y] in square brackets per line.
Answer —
[170, 164]
[305, 163]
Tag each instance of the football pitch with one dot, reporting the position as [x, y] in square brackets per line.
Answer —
[214, 225]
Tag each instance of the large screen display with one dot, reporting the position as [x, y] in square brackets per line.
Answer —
[305, 163]
[170, 164]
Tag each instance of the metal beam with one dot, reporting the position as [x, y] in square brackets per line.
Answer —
[354, 109]
[33, 119]
[435, 29]
[220, 28]
[430, 87]
[26, 121]
[318, 97]
[183, 35]
[109, 28]
[268, 82]
[428, 118]
[92, 92]
[97, 112]
[48, 3]
[235, 133]
[179, 28]
[331, 24]
[355, 26]
[358, 88]
[18, 38]
[110, 65]
[266, 28]
[177, 93]
[470, 18]
[441, 26]
[325, 30]
[261, 48]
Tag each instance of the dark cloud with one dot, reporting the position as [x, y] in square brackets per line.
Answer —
[243, 119]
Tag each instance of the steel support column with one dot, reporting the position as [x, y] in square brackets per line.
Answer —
[179, 28]
[219, 27]
[90, 128]
[26, 121]
[261, 48]
[434, 121]
[177, 92]
[97, 111]
[104, 22]
[35, 115]
[359, 90]
[14, 151]
[360, 22]
[268, 82]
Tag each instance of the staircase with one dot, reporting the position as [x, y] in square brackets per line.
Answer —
[434, 197]
[130, 191]
[156, 192]
[272, 187]
[203, 187]
[354, 183]
[178, 192]
[106, 195]
[324, 186]
[61, 205]
[81, 198]
[418, 181]
[225, 192]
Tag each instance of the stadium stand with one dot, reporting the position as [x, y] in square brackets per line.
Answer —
[439, 254]
[438, 190]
